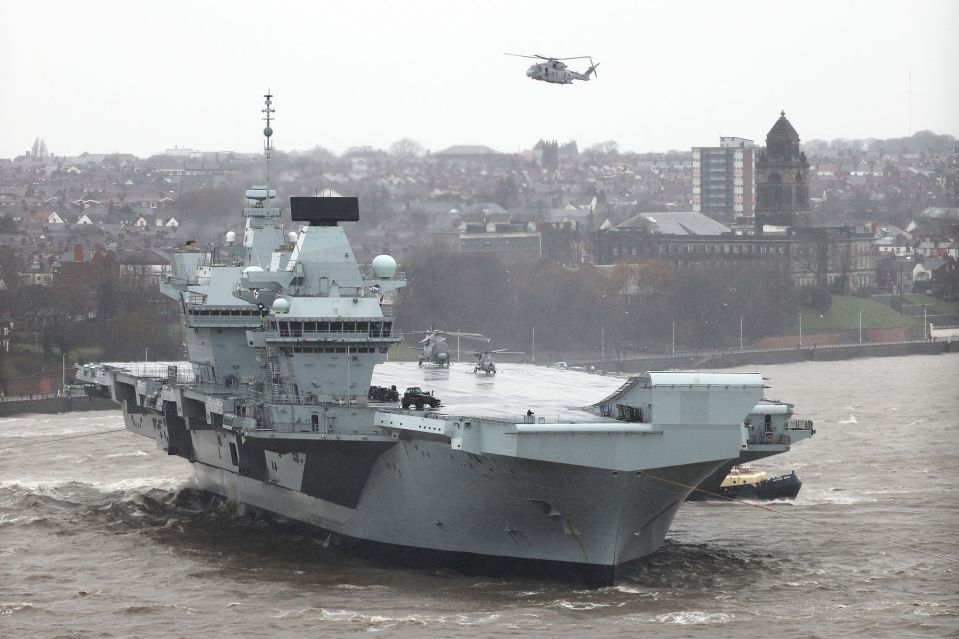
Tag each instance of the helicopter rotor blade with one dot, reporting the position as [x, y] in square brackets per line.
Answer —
[592, 69]
[578, 57]
[520, 55]
[467, 335]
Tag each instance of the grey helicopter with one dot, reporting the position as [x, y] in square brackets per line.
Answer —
[436, 350]
[555, 71]
[484, 360]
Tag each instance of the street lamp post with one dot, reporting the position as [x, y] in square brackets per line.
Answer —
[674, 337]
[146, 354]
[533, 349]
[900, 287]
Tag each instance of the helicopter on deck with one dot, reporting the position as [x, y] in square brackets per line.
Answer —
[555, 71]
[436, 350]
[484, 360]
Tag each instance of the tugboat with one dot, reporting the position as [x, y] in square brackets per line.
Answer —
[746, 482]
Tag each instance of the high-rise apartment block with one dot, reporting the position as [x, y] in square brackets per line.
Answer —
[724, 180]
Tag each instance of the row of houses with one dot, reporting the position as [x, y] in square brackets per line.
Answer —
[91, 217]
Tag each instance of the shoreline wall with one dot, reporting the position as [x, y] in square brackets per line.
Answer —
[733, 358]
[55, 405]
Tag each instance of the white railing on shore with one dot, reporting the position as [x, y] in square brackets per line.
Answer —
[725, 352]
[70, 393]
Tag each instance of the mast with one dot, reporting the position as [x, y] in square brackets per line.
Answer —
[268, 111]
[260, 213]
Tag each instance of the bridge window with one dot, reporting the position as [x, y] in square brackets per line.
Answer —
[336, 327]
[349, 327]
[322, 327]
[374, 329]
[309, 327]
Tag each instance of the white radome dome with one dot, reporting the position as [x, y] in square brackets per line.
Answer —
[280, 305]
[230, 237]
[291, 237]
[384, 266]
[252, 269]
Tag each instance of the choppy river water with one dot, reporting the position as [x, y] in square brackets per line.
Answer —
[104, 537]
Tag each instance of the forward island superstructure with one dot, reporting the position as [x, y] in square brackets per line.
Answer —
[283, 333]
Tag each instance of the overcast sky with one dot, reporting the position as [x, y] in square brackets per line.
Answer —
[141, 77]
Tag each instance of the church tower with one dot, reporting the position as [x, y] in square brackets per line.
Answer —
[782, 179]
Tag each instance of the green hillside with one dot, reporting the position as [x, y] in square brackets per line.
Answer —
[843, 315]
[936, 305]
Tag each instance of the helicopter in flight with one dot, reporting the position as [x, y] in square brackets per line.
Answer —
[484, 360]
[436, 350]
[555, 71]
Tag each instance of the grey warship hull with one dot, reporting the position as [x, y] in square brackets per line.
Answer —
[466, 511]
[579, 502]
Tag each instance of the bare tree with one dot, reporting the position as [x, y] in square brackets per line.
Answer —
[406, 148]
[609, 147]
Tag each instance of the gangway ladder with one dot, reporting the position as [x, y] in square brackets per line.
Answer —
[272, 371]
[291, 371]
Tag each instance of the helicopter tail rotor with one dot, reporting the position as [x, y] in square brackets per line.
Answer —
[591, 69]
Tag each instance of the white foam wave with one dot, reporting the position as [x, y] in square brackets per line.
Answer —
[353, 587]
[814, 498]
[54, 434]
[9, 520]
[933, 609]
[383, 622]
[53, 487]
[632, 590]
[136, 453]
[852, 420]
[694, 617]
[7, 609]
[581, 605]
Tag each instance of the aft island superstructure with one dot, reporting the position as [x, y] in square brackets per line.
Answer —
[283, 333]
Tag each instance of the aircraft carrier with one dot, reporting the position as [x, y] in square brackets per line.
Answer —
[284, 330]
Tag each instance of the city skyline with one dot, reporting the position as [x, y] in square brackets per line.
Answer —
[101, 78]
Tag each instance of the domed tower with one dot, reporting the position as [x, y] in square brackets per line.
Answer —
[782, 179]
